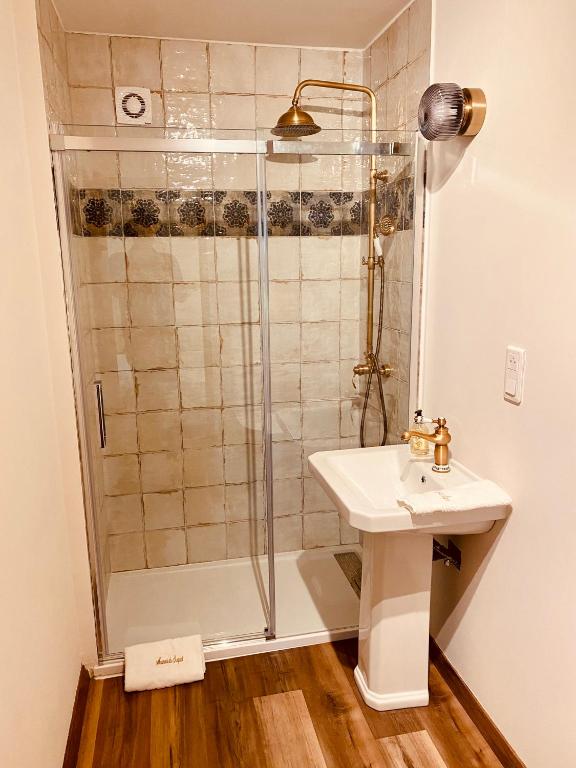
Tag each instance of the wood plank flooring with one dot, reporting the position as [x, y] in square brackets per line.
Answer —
[289, 709]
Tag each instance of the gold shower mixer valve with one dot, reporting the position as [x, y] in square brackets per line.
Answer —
[386, 226]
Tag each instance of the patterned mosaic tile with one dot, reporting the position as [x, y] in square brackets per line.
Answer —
[228, 213]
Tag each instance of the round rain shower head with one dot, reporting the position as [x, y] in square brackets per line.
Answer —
[447, 111]
[295, 123]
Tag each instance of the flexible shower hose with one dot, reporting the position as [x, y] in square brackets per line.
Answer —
[372, 359]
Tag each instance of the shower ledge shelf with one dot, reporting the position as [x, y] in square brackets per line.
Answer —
[61, 142]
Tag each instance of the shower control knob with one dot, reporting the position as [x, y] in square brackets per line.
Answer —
[446, 110]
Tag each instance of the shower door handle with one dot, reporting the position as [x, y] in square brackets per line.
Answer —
[101, 417]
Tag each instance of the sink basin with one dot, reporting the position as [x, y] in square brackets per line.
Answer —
[364, 484]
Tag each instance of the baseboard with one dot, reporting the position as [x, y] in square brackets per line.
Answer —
[77, 720]
[474, 709]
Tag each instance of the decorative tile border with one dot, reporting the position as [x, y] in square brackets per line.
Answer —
[208, 213]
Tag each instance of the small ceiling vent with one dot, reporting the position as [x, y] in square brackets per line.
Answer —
[133, 106]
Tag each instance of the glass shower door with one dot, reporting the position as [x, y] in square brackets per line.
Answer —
[166, 271]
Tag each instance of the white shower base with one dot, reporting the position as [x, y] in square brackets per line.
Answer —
[224, 599]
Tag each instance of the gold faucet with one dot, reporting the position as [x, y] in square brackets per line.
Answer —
[440, 438]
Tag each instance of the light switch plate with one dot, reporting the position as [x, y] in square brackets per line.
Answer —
[514, 370]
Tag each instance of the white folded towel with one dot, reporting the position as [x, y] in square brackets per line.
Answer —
[473, 495]
[165, 663]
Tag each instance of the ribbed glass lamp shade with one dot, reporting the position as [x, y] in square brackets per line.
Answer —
[441, 111]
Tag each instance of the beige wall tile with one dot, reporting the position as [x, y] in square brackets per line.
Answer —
[121, 475]
[111, 348]
[232, 68]
[195, 304]
[243, 463]
[354, 68]
[320, 341]
[142, 170]
[233, 111]
[236, 258]
[288, 534]
[242, 424]
[198, 346]
[284, 255]
[418, 78]
[354, 248]
[312, 446]
[234, 172]
[398, 44]
[396, 115]
[322, 172]
[284, 342]
[285, 382]
[320, 300]
[206, 543]
[348, 535]
[153, 348]
[240, 345]
[203, 467]
[92, 106]
[193, 258]
[123, 513]
[89, 61]
[284, 302]
[157, 390]
[189, 111]
[321, 529]
[379, 62]
[315, 499]
[186, 171]
[242, 385]
[320, 381]
[184, 65]
[287, 497]
[238, 302]
[350, 294]
[287, 460]
[202, 428]
[350, 413]
[97, 170]
[419, 23]
[204, 505]
[102, 259]
[200, 387]
[163, 510]
[136, 61]
[151, 304]
[161, 471]
[121, 435]
[245, 539]
[127, 552]
[149, 259]
[119, 392]
[320, 258]
[159, 431]
[165, 548]
[321, 65]
[320, 419]
[277, 70]
[108, 305]
[245, 502]
[286, 421]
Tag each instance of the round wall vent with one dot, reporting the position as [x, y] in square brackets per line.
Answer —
[133, 106]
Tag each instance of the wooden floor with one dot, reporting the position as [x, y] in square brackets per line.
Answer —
[289, 709]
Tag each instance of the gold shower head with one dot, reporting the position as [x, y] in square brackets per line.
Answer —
[295, 123]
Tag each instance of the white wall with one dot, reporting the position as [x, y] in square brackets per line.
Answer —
[44, 585]
[502, 242]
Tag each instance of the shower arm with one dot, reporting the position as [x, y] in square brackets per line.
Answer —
[362, 368]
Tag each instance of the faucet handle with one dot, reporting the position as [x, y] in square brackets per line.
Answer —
[440, 421]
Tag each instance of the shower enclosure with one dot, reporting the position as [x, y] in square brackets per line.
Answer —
[215, 295]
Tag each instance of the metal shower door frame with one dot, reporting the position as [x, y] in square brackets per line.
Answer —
[60, 144]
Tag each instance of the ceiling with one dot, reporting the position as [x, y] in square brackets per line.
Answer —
[318, 23]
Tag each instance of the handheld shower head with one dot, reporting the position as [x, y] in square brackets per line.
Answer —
[295, 123]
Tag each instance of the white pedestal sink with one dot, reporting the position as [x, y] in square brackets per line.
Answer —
[364, 484]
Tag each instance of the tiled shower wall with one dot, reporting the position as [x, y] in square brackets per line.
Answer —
[169, 498]
[54, 59]
[399, 74]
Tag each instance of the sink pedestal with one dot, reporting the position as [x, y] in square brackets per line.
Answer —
[392, 671]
